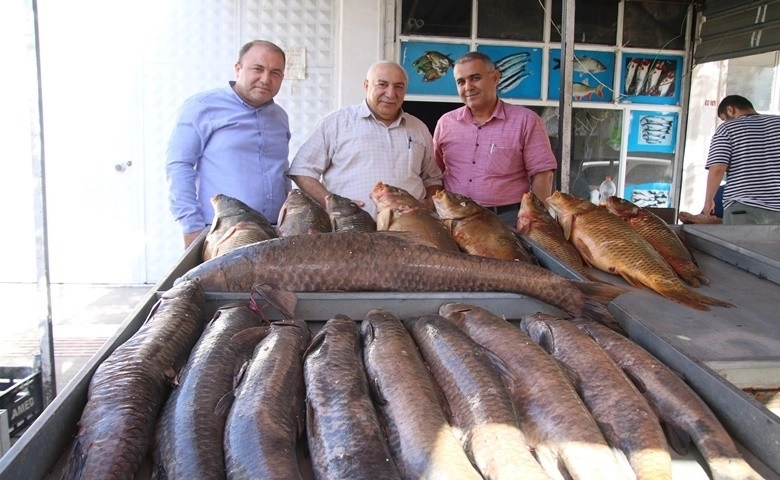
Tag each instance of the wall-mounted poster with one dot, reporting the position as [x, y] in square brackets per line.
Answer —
[652, 132]
[521, 70]
[651, 78]
[593, 73]
[429, 65]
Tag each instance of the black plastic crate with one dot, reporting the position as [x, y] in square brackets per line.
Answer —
[21, 395]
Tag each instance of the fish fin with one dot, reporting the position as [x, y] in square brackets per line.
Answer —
[225, 402]
[283, 300]
[598, 312]
[383, 219]
[599, 291]
[629, 277]
[678, 439]
[378, 396]
[76, 461]
[557, 63]
[315, 343]
[250, 337]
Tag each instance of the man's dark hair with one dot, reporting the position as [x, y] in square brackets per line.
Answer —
[272, 46]
[735, 101]
[469, 56]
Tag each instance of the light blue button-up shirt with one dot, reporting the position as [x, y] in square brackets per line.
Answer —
[222, 145]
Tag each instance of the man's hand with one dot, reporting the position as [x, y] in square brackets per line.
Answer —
[190, 237]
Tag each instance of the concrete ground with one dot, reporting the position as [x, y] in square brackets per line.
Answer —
[83, 318]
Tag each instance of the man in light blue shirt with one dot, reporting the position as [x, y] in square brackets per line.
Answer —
[232, 140]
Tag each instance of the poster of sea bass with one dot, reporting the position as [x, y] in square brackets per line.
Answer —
[593, 73]
[654, 79]
[429, 65]
[520, 68]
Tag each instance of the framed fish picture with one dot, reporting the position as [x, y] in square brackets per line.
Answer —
[593, 74]
[652, 131]
[649, 78]
[521, 70]
[429, 65]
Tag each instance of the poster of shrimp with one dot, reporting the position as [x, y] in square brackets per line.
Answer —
[592, 75]
[651, 79]
[520, 70]
[429, 65]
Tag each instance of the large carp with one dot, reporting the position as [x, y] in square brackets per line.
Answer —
[346, 216]
[389, 261]
[480, 406]
[675, 403]
[662, 238]
[535, 223]
[301, 215]
[188, 438]
[608, 243]
[423, 443]
[342, 427]
[398, 211]
[235, 224]
[268, 414]
[477, 230]
[130, 387]
[556, 424]
[620, 410]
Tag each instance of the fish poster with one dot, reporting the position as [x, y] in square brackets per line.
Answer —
[653, 79]
[652, 132]
[429, 66]
[593, 75]
[520, 68]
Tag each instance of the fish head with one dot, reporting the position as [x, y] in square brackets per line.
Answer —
[337, 204]
[622, 207]
[565, 203]
[451, 205]
[387, 196]
[225, 205]
[537, 326]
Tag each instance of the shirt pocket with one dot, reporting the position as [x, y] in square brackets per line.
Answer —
[415, 156]
[503, 159]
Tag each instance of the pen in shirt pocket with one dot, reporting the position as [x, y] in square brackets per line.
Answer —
[409, 145]
[492, 146]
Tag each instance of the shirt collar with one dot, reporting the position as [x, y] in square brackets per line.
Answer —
[237, 97]
[365, 112]
[498, 113]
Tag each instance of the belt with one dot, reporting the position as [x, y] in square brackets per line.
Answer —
[504, 208]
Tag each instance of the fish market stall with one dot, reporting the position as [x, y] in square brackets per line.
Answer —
[42, 450]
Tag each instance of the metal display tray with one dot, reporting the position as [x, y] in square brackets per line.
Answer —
[40, 451]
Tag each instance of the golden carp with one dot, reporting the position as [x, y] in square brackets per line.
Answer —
[398, 211]
[477, 230]
[235, 224]
[557, 425]
[390, 261]
[608, 243]
[661, 237]
[535, 223]
[301, 215]
[346, 216]
[675, 403]
[403, 389]
[343, 429]
[622, 413]
[480, 406]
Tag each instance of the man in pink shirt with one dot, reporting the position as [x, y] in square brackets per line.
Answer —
[490, 150]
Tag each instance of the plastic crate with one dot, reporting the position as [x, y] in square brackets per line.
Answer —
[21, 394]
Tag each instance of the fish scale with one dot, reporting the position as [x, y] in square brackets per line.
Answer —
[662, 238]
[608, 243]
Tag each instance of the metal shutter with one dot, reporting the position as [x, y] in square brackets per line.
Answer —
[730, 29]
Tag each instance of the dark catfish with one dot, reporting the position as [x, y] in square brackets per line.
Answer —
[389, 261]
[343, 429]
[556, 424]
[130, 387]
[675, 403]
[423, 443]
[622, 413]
[235, 224]
[188, 438]
[479, 403]
[267, 416]
[301, 215]
[346, 216]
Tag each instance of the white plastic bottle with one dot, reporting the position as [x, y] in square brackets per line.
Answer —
[606, 190]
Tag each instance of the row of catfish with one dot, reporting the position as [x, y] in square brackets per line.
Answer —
[462, 394]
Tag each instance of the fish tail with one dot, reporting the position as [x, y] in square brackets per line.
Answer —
[693, 299]
[599, 291]
[598, 312]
